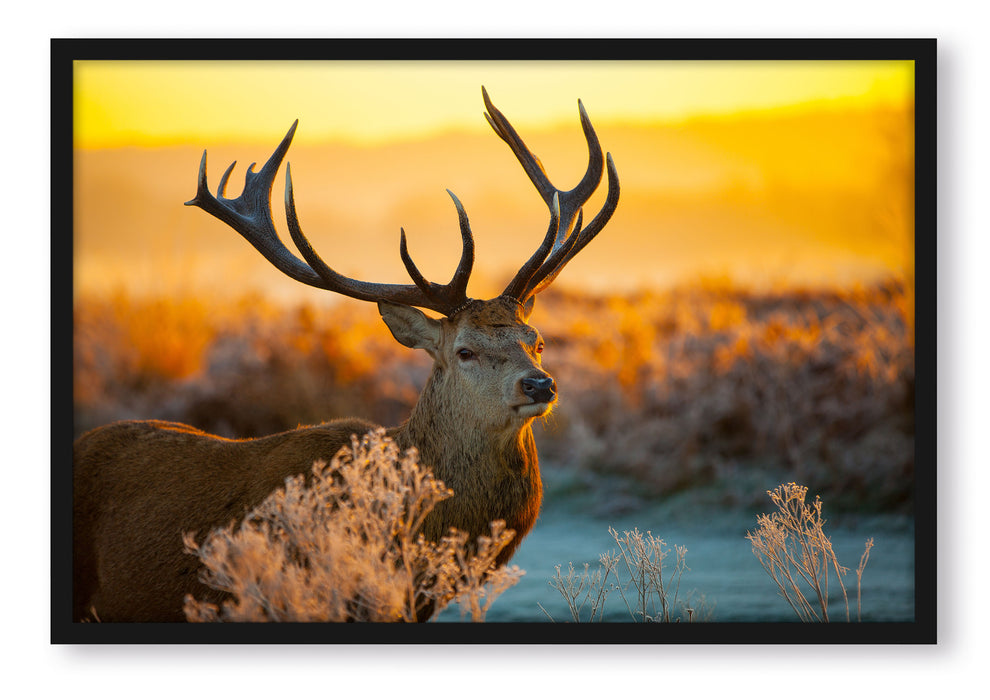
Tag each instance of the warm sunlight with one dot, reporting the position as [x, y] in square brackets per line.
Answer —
[154, 102]
[763, 172]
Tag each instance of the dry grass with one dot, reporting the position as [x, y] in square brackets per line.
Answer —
[707, 385]
[647, 595]
[261, 369]
[793, 548]
[715, 384]
[345, 546]
[789, 543]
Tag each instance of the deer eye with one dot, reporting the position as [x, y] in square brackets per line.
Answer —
[539, 348]
[465, 354]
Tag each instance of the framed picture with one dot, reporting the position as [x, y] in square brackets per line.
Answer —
[680, 381]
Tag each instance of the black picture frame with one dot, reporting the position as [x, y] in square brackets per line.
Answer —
[923, 52]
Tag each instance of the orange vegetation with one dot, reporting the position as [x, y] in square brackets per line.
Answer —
[706, 384]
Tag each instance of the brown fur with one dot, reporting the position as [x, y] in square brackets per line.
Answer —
[138, 485]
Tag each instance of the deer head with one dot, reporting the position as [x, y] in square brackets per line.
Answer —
[482, 348]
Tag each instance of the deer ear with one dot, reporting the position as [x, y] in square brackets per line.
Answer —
[410, 326]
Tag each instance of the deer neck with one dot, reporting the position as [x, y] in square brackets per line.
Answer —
[483, 464]
[452, 444]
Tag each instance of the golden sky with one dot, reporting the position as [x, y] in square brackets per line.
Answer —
[120, 103]
[804, 174]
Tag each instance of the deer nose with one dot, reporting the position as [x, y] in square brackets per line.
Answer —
[539, 389]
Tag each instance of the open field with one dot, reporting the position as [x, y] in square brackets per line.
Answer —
[709, 385]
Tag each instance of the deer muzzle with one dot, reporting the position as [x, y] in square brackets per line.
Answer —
[539, 389]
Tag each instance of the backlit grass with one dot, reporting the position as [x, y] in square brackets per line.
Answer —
[712, 384]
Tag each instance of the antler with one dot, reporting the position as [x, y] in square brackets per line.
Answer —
[250, 215]
[565, 237]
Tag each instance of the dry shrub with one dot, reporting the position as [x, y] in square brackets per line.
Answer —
[651, 597]
[251, 367]
[125, 344]
[793, 548]
[344, 546]
[704, 384]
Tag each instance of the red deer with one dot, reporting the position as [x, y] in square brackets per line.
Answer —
[138, 485]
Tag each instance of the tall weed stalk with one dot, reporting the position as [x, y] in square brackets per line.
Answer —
[793, 548]
[646, 593]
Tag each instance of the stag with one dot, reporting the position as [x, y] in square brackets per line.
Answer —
[138, 485]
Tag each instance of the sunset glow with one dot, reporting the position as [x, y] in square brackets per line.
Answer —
[764, 172]
[165, 102]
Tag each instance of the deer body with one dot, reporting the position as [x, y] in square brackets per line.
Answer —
[138, 485]
[130, 562]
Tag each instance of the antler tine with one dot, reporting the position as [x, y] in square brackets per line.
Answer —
[250, 215]
[530, 163]
[454, 293]
[570, 200]
[518, 284]
[565, 237]
[334, 281]
[557, 260]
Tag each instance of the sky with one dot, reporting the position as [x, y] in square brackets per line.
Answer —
[381, 113]
[120, 103]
